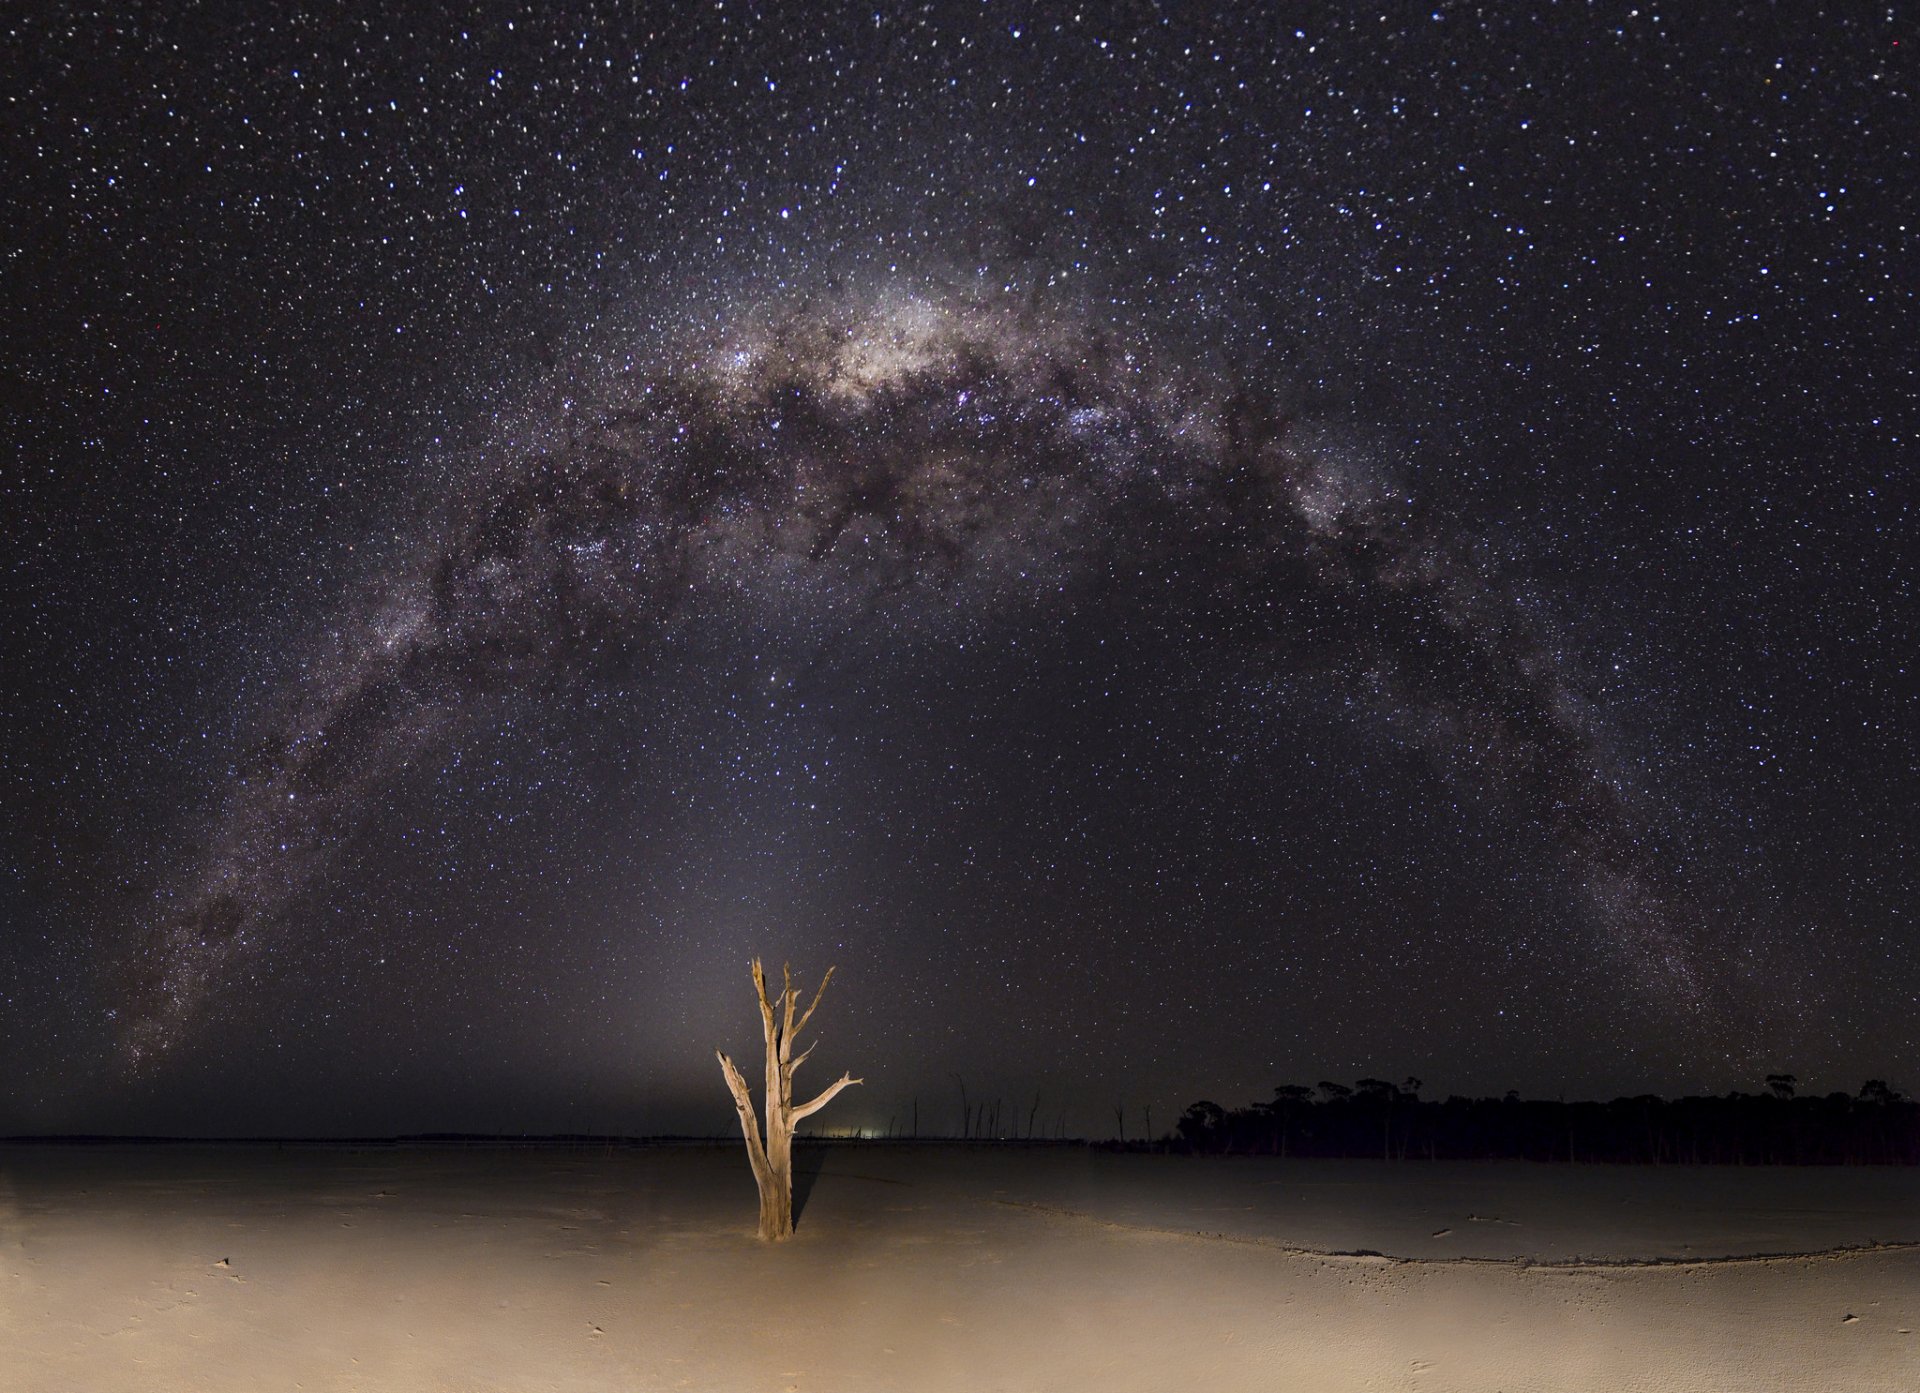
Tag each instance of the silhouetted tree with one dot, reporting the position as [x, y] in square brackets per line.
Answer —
[1378, 1095]
[1200, 1125]
[1286, 1098]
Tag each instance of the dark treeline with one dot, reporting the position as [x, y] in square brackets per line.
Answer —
[1375, 1118]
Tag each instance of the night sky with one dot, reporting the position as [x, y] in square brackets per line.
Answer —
[1184, 552]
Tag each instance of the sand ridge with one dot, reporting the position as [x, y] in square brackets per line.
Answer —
[1845, 1250]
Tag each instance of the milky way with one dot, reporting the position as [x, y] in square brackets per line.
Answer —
[901, 453]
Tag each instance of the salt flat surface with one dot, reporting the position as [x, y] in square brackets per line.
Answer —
[1492, 1209]
[944, 1268]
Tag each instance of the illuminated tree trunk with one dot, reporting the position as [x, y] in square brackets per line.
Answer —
[772, 1157]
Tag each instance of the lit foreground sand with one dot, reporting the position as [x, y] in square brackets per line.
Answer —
[256, 1269]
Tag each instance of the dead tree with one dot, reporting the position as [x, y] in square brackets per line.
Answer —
[773, 1158]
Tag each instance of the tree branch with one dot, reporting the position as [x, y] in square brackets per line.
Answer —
[766, 1007]
[809, 1109]
[787, 997]
[743, 1104]
[816, 1001]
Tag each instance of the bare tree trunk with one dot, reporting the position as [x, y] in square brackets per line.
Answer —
[772, 1158]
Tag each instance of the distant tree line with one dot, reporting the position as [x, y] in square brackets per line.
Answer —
[1376, 1118]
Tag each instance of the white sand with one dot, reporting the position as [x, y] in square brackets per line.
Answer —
[246, 1269]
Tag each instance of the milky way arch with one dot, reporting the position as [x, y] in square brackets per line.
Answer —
[902, 445]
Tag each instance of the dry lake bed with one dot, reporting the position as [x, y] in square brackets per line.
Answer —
[336, 1267]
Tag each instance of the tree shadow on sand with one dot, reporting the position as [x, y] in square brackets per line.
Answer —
[807, 1164]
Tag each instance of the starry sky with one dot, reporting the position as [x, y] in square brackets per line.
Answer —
[1183, 548]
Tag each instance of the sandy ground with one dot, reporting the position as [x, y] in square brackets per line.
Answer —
[929, 1268]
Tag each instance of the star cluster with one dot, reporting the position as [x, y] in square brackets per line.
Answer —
[1176, 549]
